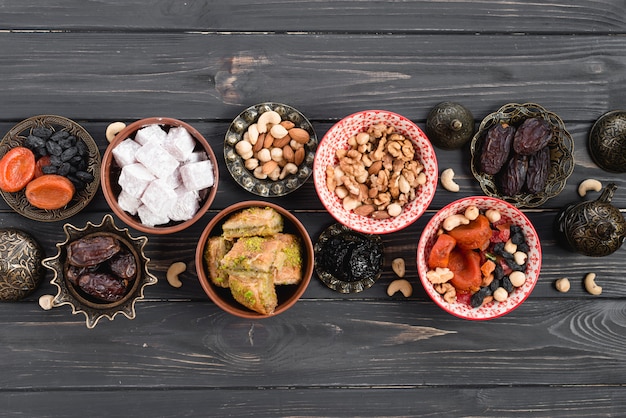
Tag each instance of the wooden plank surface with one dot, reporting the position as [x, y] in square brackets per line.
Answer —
[332, 354]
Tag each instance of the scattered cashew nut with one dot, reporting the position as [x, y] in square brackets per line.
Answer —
[401, 285]
[562, 285]
[114, 129]
[453, 221]
[173, 272]
[447, 180]
[587, 185]
[590, 284]
[45, 302]
[398, 266]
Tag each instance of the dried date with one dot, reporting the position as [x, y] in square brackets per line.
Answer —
[103, 286]
[513, 176]
[538, 170]
[496, 148]
[123, 265]
[91, 251]
[73, 273]
[531, 136]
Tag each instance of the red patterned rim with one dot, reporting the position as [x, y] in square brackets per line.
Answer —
[509, 213]
[337, 137]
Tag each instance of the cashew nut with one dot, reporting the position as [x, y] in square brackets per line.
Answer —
[562, 285]
[587, 185]
[45, 302]
[590, 284]
[401, 285]
[453, 221]
[173, 272]
[269, 117]
[114, 129]
[398, 266]
[447, 180]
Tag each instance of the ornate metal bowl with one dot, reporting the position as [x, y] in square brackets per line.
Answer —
[21, 271]
[561, 153]
[244, 177]
[16, 137]
[607, 141]
[93, 310]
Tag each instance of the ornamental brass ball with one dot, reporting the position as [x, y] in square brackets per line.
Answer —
[607, 141]
[449, 125]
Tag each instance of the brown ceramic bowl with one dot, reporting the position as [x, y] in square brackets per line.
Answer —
[93, 308]
[288, 295]
[110, 172]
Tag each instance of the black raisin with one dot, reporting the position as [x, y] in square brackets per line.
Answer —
[68, 154]
[498, 272]
[49, 169]
[59, 135]
[33, 142]
[64, 169]
[83, 151]
[523, 247]
[40, 152]
[84, 176]
[55, 160]
[54, 148]
[507, 285]
[78, 184]
[42, 132]
[477, 299]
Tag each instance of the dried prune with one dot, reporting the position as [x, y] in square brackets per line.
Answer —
[351, 257]
[496, 148]
[538, 170]
[531, 136]
[123, 265]
[513, 175]
[102, 286]
[90, 251]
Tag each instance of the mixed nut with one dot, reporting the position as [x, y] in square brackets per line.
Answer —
[378, 174]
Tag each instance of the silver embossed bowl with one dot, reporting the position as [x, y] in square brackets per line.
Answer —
[262, 184]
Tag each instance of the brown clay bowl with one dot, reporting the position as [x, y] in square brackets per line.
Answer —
[288, 295]
[110, 172]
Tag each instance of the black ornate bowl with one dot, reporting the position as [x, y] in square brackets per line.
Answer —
[561, 153]
[16, 137]
[607, 141]
[94, 310]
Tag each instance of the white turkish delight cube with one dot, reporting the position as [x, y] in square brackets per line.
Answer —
[150, 133]
[179, 143]
[187, 204]
[159, 197]
[128, 203]
[156, 159]
[196, 156]
[124, 152]
[150, 218]
[134, 179]
[174, 180]
[197, 176]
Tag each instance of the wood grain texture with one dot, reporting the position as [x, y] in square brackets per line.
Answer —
[332, 354]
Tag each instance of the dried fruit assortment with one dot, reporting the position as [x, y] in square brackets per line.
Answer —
[478, 260]
[518, 157]
[100, 267]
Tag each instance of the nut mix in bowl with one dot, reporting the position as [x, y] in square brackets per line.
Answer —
[254, 259]
[269, 149]
[523, 154]
[479, 258]
[159, 175]
[375, 171]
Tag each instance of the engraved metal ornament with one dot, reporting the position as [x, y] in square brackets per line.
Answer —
[561, 153]
[67, 295]
[593, 228]
[16, 137]
[21, 271]
[607, 141]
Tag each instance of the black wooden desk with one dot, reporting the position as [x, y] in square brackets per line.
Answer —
[369, 354]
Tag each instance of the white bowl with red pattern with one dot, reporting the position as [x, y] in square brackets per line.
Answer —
[509, 213]
[337, 138]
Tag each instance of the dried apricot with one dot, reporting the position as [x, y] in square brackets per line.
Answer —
[17, 168]
[440, 253]
[473, 236]
[49, 191]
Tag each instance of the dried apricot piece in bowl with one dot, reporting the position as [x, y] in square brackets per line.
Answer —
[17, 168]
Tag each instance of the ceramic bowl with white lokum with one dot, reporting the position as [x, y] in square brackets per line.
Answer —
[159, 175]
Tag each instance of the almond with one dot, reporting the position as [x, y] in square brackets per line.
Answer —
[281, 142]
[365, 210]
[268, 141]
[287, 124]
[288, 154]
[299, 156]
[269, 166]
[259, 143]
[380, 214]
[375, 167]
[300, 135]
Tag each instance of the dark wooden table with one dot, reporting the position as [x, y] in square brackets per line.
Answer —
[366, 354]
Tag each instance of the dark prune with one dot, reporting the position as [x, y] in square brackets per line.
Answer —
[102, 286]
[123, 265]
[351, 256]
[496, 148]
[538, 170]
[532, 135]
[42, 132]
[54, 148]
[513, 176]
[90, 251]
